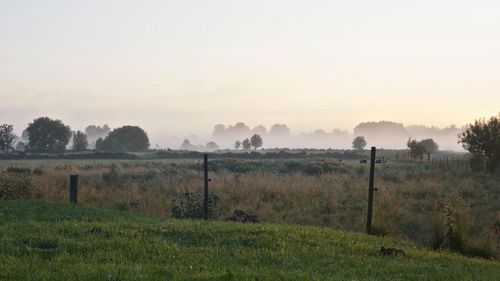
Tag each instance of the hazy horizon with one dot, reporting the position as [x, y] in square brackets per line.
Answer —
[179, 68]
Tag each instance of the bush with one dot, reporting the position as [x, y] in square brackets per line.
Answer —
[38, 172]
[481, 249]
[14, 186]
[478, 163]
[450, 232]
[190, 204]
[114, 176]
[19, 170]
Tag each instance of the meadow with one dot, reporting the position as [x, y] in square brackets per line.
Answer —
[60, 241]
[414, 201]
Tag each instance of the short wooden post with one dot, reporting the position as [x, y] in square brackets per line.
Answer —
[205, 168]
[73, 189]
[370, 192]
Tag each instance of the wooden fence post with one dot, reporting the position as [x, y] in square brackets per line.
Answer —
[73, 189]
[205, 168]
[370, 192]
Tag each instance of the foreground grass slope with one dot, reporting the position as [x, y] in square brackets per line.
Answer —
[41, 241]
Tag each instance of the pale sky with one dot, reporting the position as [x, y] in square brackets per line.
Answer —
[179, 67]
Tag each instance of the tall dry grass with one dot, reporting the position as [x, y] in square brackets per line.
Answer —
[314, 191]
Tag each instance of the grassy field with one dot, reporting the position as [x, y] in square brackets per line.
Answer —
[58, 241]
[314, 190]
[414, 201]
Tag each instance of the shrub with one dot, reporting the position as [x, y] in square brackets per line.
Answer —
[480, 249]
[450, 231]
[14, 186]
[114, 176]
[478, 163]
[19, 170]
[190, 204]
[38, 172]
[391, 178]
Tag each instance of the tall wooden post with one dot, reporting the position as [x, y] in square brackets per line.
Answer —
[370, 192]
[73, 189]
[205, 168]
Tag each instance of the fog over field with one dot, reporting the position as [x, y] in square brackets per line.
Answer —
[389, 135]
[382, 134]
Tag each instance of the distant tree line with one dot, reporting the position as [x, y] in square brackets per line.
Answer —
[210, 146]
[46, 135]
[255, 141]
[240, 129]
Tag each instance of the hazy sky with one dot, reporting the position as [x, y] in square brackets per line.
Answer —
[176, 67]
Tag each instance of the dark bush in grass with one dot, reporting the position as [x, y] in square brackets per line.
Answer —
[481, 249]
[19, 170]
[14, 186]
[38, 172]
[190, 204]
[391, 178]
[114, 176]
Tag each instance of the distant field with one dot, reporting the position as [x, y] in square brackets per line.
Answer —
[314, 190]
[40, 241]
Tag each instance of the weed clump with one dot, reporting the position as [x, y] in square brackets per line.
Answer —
[190, 204]
[451, 232]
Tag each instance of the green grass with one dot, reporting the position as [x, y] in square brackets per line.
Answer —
[42, 241]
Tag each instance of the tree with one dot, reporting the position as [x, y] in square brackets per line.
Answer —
[212, 146]
[80, 142]
[359, 143]
[416, 148]
[94, 132]
[279, 130]
[6, 137]
[186, 144]
[246, 144]
[237, 144]
[48, 135]
[430, 146]
[98, 144]
[482, 140]
[126, 139]
[256, 141]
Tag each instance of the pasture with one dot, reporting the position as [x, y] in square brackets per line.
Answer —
[413, 201]
[59, 241]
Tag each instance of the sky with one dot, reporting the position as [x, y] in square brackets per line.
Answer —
[181, 67]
